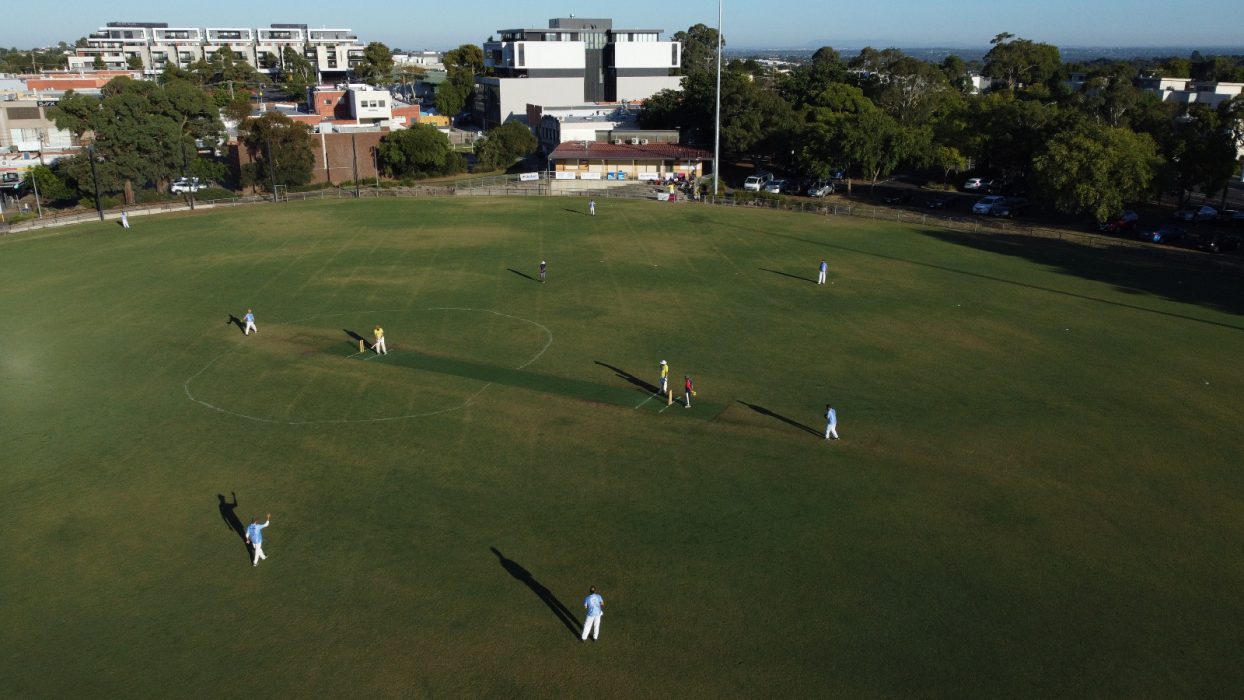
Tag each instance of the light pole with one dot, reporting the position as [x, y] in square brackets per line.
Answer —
[717, 131]
[34, 181]
[354, 151]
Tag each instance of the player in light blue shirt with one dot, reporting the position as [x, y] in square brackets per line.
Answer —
[820, 276]
[831, 422]
[250, 322]
[254, 537]
[593, 603]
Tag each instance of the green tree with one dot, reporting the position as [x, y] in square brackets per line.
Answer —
[134, 63]
[699, 49]
[1201, 150]
[1021, 62]
[1096, 169]
[461, 65]
[418, 151]
[504, 145]
[376, 68]
[98, 62]
[280, 149]
[147, 131]
[297, 74]
[51, 187]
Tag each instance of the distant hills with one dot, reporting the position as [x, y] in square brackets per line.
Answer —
[1071, 54]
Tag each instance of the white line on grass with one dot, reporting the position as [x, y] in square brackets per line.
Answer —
[467, 402]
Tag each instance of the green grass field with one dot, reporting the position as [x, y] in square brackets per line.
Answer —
[1038, 490]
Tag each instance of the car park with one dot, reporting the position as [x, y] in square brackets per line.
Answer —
[774, 186]
[1202, 213]
[820, 188]
[943, 202]
[756, 182]
[985, 204]
[794, 187]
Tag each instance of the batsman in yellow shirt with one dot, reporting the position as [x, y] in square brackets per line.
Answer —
[664, 381]
[379, 344]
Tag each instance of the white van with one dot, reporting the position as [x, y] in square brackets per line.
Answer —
[757, 182]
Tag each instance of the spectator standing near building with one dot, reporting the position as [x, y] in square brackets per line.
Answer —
[254, 537]
[831, 422]
[820, 277]
[594, 604]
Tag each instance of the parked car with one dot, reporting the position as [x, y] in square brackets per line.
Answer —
[945, 201]
[1209, 242]
[820, 188]
[756, 182]
[1202, 213]
[187, 184]
[1160, 234]
[774, 186]
[838, 173]
[794, 187]
[1009, 207]
[1121, 223]
[985, 204]
[1231, 216]
[896, 197]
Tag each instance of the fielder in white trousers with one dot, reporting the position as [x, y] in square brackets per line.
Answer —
[831, 423]
[820, 273]
[258, 553]
[380, 348]
[594, 604]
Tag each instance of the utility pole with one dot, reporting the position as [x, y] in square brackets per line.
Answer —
[355, 152]
[375, 161]
[184, 177]
[717, 132]
[95, 179]
[35, 182]
[271, 171]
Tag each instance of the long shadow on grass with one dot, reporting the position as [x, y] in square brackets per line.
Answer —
[787, 274]
[522, 274]
[794, 424]
[1129, 270]
[623, 374]
[546, 596]
[228, 513]
[355, 337]
[237, 322]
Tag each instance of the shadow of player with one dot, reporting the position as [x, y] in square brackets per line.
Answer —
[794, 424]
[237, 322]
[546, 596]
[787, 274]
[228, 513]
[522, 274]
[623, 374]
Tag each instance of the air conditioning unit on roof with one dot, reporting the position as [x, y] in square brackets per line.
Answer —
[617, 142]
[643, 142]
[634, 142]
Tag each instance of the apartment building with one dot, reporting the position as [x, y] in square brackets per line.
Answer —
[573, 61]
[1186, 91]
[154, 45]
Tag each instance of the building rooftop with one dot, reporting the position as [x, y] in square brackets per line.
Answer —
[591, 149]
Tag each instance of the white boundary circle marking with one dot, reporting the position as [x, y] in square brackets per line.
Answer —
[466, 402]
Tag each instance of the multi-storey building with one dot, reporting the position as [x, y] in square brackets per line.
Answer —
[154, 45]
[574, 60]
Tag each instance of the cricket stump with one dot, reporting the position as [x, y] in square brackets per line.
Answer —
[360, 345]
[669, 397]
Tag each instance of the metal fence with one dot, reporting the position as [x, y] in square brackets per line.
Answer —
[511, 186]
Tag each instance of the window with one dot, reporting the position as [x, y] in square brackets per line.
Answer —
[522, 55]
[380, 104]
[674, 56]
[328, 101]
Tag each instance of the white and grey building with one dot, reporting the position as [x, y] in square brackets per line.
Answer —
[155, 44]
[574, 60]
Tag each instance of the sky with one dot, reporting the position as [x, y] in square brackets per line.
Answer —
[747, 24]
